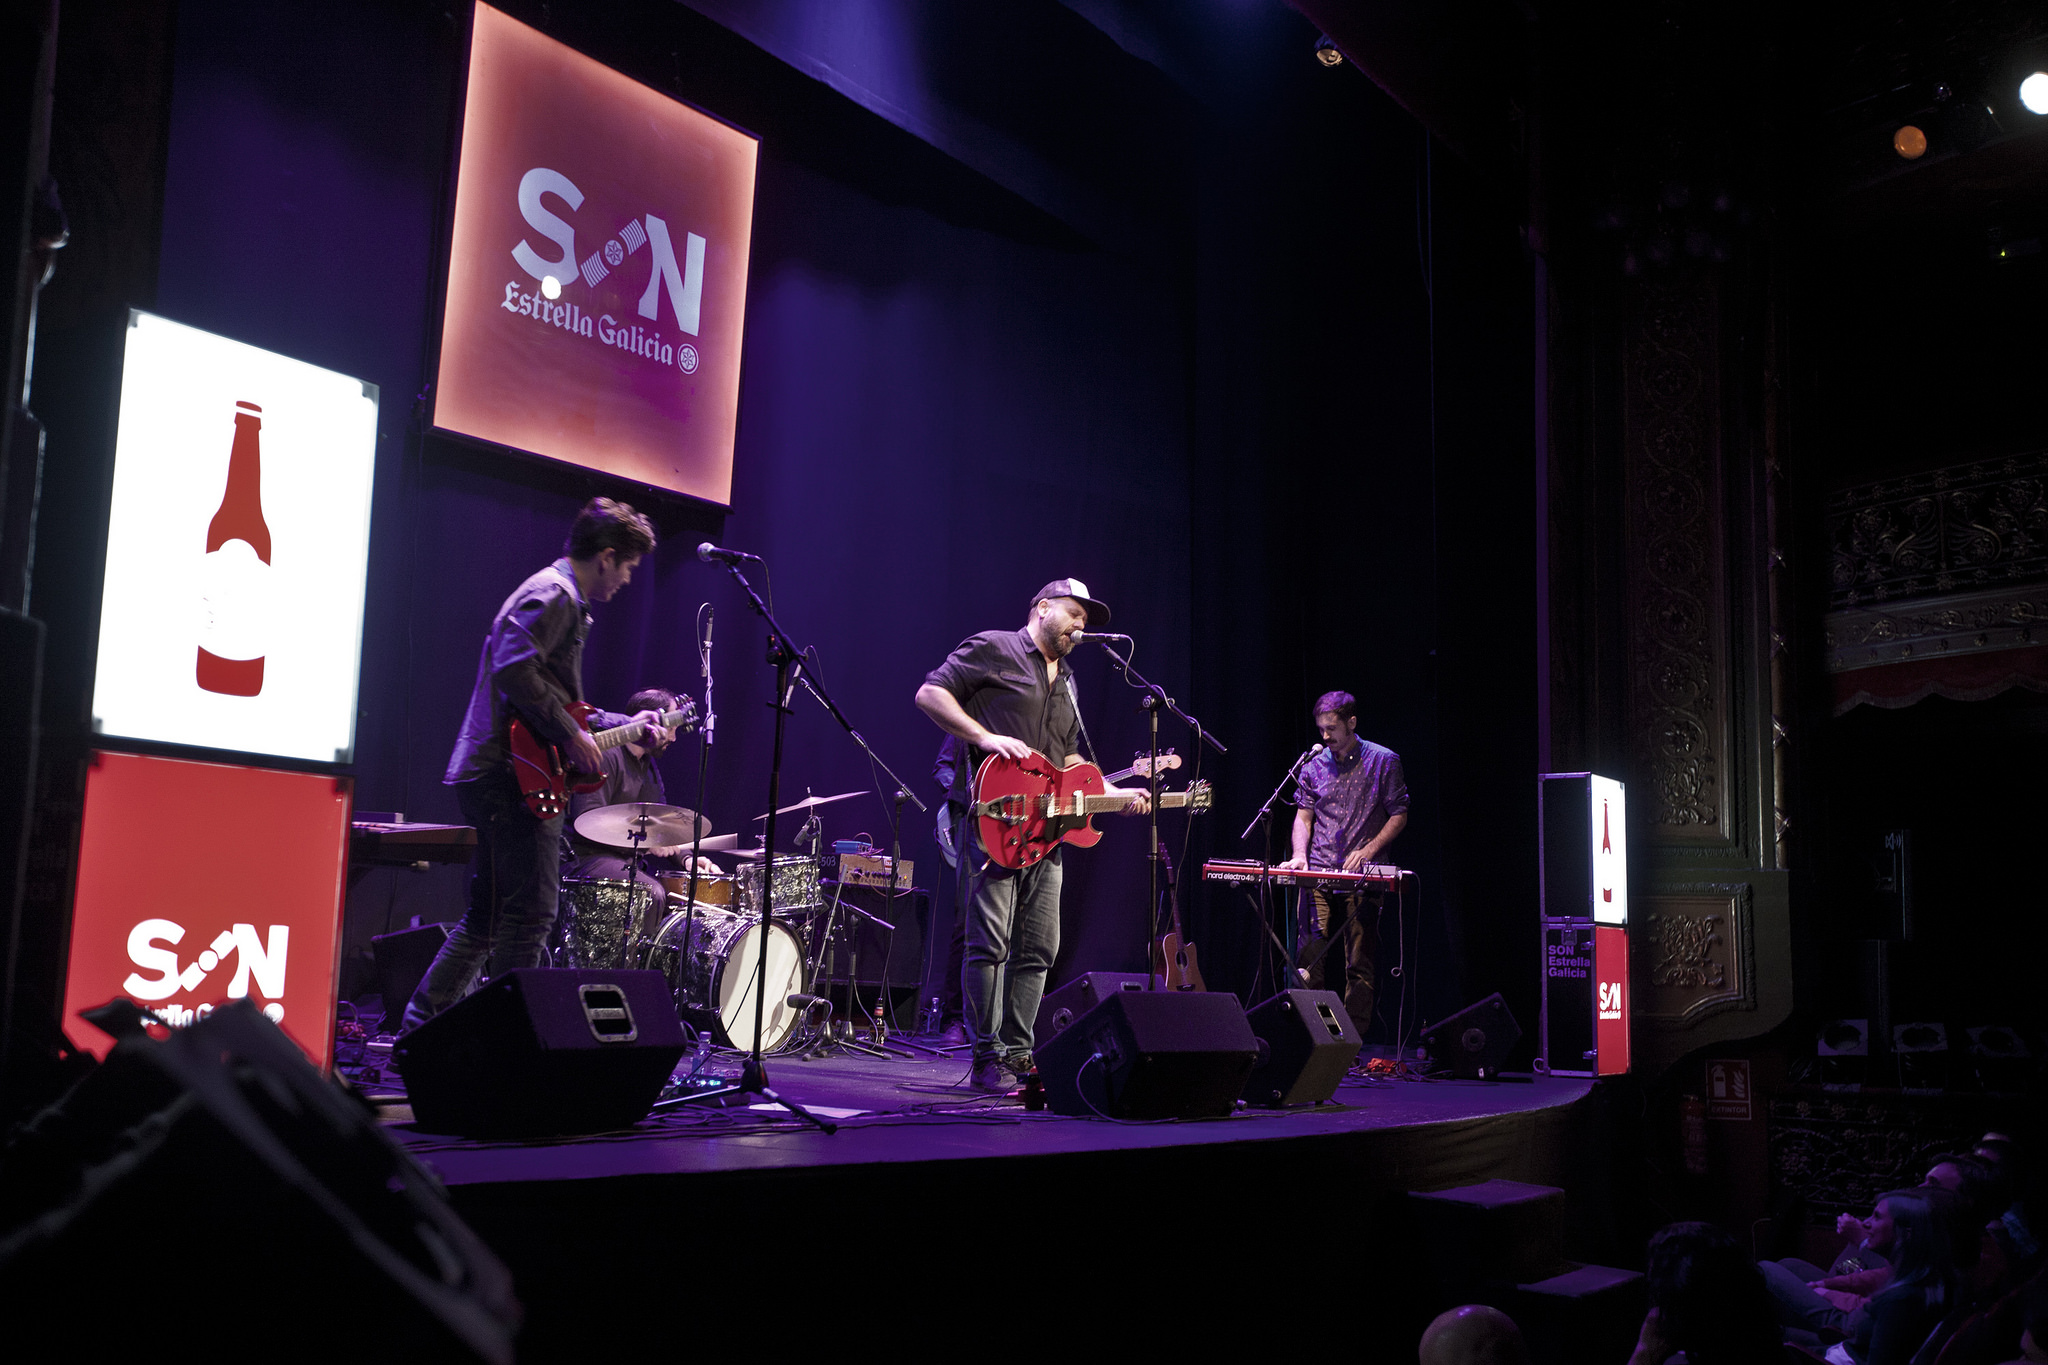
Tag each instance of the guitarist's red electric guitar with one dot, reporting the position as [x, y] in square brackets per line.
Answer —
[545, 776]
[1026, 806]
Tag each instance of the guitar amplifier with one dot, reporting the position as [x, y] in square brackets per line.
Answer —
[868, 869]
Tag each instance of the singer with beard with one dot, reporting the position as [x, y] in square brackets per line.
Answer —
[1004, 692]
[1351, 804]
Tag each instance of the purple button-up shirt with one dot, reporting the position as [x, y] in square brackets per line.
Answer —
[1351, 801]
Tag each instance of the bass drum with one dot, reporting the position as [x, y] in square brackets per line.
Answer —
[713, 974]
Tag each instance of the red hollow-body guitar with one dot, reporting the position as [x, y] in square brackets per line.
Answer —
[545, 777]
[1025, 807]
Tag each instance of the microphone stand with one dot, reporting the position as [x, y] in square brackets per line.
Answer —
[1287, 976]
[782, 652]
[707, 736]
[903, 794]
[1156, 699]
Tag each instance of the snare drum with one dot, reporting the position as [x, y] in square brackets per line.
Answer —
[715, 972]
[712, 889]
[601, 921]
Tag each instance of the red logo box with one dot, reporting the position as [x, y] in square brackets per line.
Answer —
[200, 883]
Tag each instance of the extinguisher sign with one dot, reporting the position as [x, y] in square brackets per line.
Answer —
[1728, 1093]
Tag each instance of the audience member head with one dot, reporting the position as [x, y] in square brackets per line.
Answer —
[1923, 1253]
[1981, 1187]
[1473, 1335]
[1709, 1296]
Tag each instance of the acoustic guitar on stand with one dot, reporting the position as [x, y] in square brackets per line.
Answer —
[1026, 807]
[545, 777]
[1173, 957]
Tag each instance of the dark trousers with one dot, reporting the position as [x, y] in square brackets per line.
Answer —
[1342, 955]
[1013, 937]
[512, 887]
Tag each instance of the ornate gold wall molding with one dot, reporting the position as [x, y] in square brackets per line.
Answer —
[1676, 575]
[1694, 953]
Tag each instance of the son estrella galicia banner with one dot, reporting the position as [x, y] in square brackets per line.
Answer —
[597, 271]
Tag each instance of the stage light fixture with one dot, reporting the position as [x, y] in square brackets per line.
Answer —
[2034, 93]
[550, 287]
[1326, 51]
[1909, 142]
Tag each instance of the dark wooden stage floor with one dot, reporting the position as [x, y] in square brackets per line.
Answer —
[609, 1235]
[922, 1111]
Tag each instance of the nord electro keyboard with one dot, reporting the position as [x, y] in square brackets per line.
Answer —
[1233, 870]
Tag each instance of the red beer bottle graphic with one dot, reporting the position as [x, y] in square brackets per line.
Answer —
[1606, 850]
[234, 596]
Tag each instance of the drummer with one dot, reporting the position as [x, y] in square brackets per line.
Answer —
[630, 776]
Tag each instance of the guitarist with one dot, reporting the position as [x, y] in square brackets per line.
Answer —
[1351, 803]
[1005, 692]
[532, 666]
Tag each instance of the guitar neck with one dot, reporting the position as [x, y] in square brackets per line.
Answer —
[633, 730]
[1096, 805]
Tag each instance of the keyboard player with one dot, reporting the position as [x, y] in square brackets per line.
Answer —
[1351, 803]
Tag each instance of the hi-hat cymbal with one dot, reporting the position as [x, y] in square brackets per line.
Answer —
[810, 801]
[642, 824]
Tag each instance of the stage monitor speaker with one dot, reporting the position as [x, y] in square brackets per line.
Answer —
[540, 1053]
[402, 959]
[1151, 1055]
[1306, 1043]
[214, 1182]
[1476, 1040]
[1063, 1006]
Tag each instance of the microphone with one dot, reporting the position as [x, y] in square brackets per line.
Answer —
[1101, 635]
[708, 552]
[710, 714]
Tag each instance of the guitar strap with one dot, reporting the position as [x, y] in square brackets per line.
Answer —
[1074, 699]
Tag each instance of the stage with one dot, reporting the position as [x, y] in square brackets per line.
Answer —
[952, 1188]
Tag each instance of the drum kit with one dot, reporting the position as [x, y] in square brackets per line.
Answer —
[709, 948]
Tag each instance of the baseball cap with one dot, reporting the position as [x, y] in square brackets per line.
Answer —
[1098, 612]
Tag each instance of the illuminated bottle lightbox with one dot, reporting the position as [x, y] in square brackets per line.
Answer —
[238, 541]
[1584, 845]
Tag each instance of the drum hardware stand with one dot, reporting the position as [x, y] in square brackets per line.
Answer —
[1154, 701]
[831, 1044]
[895, 863]
[633, 950]
[707, 733]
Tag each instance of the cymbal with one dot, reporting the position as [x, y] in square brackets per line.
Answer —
[640, 823]
[810, 801]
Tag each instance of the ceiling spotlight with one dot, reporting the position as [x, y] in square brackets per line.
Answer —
[550, 287]
[1909, 142]
[2034, 93]
[1328, 55]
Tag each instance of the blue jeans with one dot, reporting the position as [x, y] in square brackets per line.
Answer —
[1013, 935]
[512, 887]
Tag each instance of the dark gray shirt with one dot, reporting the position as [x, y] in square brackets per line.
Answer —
[1352, 801]
[627, 777]
[998, 677]
[531, 665]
